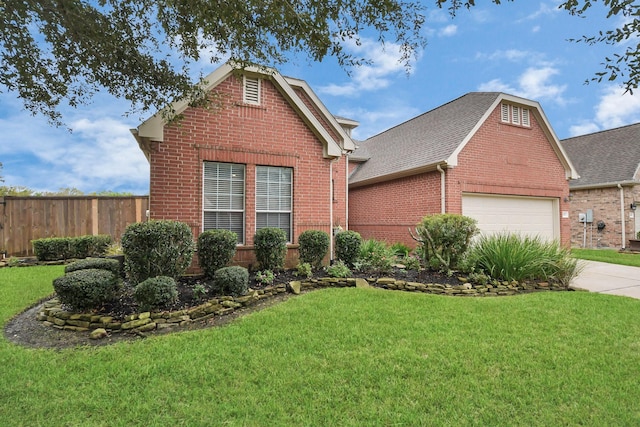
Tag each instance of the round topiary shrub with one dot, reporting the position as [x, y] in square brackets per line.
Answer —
[157, 248]
[86, 289]
[108, 264]
[270, 245]
[216, 248]
[156, 292]
[314, 245]
[232, 280]
[348, 246]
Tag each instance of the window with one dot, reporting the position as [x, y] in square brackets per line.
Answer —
[251, 90]
[223, 197]
[515, 115]
[273, 198]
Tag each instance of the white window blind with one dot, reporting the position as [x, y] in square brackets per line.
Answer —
[274, 189]
[223, 197]
[251, 90]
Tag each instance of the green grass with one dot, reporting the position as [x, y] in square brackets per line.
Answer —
[607, 255]
[343, 357]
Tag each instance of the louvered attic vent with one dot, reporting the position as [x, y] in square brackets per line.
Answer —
[251, 90]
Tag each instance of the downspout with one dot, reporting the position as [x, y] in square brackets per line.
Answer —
[443, 200]
[331, 162]
[624, 237]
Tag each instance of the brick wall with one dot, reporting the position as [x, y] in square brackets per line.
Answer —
[270, 134]
[605, 203]
[499, 159]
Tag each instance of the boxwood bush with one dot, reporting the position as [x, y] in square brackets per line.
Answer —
[157, 248]
[348, 247]
[232, 280]
[86, 289]
[270, 245]
[216, 248]
[58, 248]
[314, 245]
[156, 292]
[108, 264]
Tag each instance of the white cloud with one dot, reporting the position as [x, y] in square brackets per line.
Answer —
[545, 10]
[615, 108]
[449, 30]
[375, 121]
[385, 62]
[533, 84]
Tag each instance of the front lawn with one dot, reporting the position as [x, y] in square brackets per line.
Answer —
[347, 357]
[611, 256]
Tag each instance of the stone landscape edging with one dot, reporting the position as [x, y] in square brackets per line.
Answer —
[52, 314]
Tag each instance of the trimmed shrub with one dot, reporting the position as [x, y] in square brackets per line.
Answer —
[232, 280]
[86, 289]
[90, 246]
[444, 239]
[271, 248]
[157, 248]
[52, 249]
[216, 248]
[304, 270]
[112, 265]
[348, 246]
[57, 248]
[314, 245]
[156, 292]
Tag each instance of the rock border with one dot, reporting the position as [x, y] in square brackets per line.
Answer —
[52, 314]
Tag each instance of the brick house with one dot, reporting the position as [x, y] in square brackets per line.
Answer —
[608, 189]
[490, 156]
[268, 154]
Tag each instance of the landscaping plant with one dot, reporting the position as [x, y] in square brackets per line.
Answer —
[375, 255]
[339, 269]
[86, 289]
[157, 248]
[232, 280]
[348, 246]
[216, 249]
[304, 270]
[509, 256]
[444, 238]
[265, 277]
[112, 265]
[155, 292]
[270, 245]
[314, 245]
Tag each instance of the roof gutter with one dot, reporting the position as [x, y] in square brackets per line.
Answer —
[617, 184]
[443, 199]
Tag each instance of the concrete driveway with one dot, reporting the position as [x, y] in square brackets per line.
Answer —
[609, 279]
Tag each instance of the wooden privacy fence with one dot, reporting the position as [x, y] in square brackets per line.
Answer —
[23, 219]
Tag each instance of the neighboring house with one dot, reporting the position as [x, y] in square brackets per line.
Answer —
[268, 155]
[491, 156]
[609, 187]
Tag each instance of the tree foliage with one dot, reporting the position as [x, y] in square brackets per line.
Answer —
[145, 51]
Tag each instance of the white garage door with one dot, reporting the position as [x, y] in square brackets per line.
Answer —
[525, 215]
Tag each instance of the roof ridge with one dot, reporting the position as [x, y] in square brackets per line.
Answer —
[601, 131]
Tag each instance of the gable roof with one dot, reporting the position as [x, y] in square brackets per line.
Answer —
[153, 128]
[436, 137]
[606, 158]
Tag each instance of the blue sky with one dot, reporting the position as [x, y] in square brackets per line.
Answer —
[520, 49]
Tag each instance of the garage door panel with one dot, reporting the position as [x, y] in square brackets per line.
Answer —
[530, 216]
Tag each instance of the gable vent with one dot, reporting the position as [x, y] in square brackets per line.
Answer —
[505, 113]
[251, 90]
[525, 117]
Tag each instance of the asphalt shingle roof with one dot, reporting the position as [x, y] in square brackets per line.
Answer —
[606, 157]
[425, 140]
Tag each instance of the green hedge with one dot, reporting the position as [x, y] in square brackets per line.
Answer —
[60, 248]
[232, 280]
[348, 247]
[271, 248]
[216, 249]
[109, 264]
[156, 292]
[314, 245]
